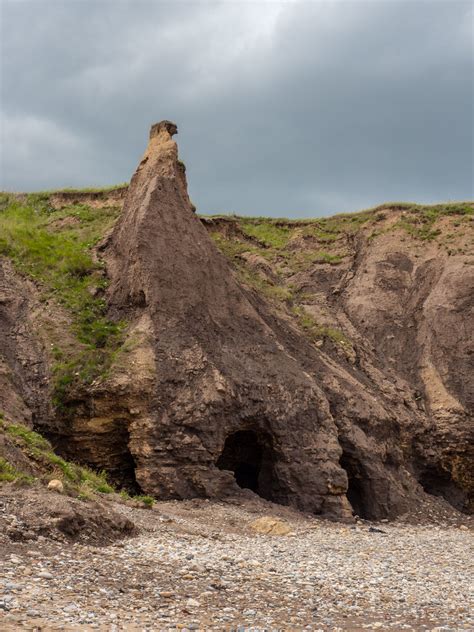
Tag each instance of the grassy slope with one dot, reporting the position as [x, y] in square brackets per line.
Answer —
[322, 241]
[78, 481]
[55, 249]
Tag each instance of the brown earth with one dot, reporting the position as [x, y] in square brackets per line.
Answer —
[218, 385]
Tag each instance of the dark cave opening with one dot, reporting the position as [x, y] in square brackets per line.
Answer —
[251, 460]
[358, 489]
[438, 482]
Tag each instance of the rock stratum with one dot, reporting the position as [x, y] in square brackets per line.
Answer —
[326, 365]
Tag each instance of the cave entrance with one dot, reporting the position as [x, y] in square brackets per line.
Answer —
[358, 489]
[438, 482]
[251, 461]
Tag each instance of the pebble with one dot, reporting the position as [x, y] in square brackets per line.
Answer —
[178, 576]
[193, 603]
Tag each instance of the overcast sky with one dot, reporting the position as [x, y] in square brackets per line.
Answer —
[284, 108]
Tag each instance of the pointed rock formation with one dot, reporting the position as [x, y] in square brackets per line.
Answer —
[237, 397]
[216, 391]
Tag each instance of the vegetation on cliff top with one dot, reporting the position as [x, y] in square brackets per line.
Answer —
[293, 246]
[56, 249]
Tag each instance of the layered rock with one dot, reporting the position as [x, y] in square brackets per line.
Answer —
[217, 390]
[417, 306]
[240, 398]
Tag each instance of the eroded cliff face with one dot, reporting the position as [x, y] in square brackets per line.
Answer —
[24, 368]
[236, 396]
[335, 382]
[420, 315]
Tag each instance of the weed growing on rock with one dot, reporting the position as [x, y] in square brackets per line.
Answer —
[148, 501]
[318, 332]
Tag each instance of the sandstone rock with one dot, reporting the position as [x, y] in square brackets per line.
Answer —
[231, 395]
[219, 393]
[271, 526]
[56, 485]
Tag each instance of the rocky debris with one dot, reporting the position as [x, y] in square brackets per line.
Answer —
[199, 565]
[28, 514]
[56, 486]
[271, 526]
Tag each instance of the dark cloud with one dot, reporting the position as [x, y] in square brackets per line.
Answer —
[294, 108]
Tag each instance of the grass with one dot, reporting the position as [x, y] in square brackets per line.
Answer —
[316, 332]
[9, 474]
[148, 501]
[78, 480]
[28, 437]
[106, 189]
[259, 283]
[420, 221]
[267, 233]
[61, 261]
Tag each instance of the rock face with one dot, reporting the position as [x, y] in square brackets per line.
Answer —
[217, 390]
[236, 396]
[421, 315]
[24, 371]
[229, 393]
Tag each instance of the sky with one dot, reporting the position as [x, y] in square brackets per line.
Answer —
[295, 109]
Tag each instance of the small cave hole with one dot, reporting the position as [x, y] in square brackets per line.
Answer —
[358, 492]
[438, 482]
[251, 461]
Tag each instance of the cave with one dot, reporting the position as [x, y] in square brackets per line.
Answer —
[251, 460]
[358, 489]
[438, 482]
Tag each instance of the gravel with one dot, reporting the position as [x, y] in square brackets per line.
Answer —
[200, 566]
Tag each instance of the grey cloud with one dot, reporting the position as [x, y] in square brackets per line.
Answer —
[293, 109]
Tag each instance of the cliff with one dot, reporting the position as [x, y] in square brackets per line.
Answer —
[324, 365]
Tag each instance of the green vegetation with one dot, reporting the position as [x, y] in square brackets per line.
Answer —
[107, 189]
[268, 233]
[319, 332]
[9, 474]
[148, 501]
[78, 478]
[28, 437]
[54, 247]
[420, 221]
